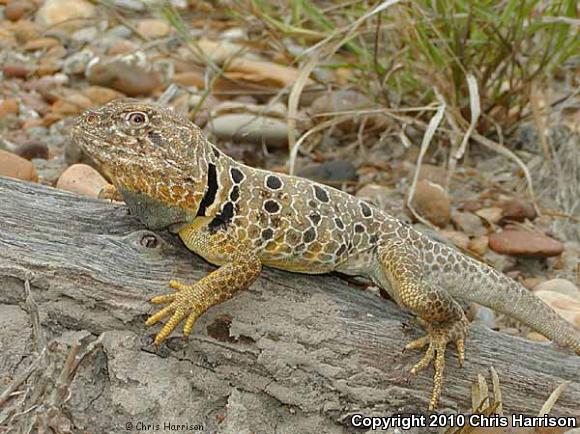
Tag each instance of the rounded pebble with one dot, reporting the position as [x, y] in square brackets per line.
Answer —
[567, 307]
[68, 15]
[340, 100]
[33, 149]
[478, 245]
[249, 128]
[41, 44]
[8, 106]
[82, 179]
[129, 74]
[518, 210]
[457, 238]
[191, 78]
[153, 28]
[561, 286]
[469, 223]
[15, 10]
[15, 71]
[524, 243]
[492, 214]
[13, 166]
[432, 202]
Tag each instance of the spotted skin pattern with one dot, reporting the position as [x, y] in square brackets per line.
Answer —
[241, 218]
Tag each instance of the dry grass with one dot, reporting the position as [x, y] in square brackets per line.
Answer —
[404, 52]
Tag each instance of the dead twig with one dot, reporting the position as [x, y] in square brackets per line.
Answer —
[432, 127]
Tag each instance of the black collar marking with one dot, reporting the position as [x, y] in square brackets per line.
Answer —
[210, 192]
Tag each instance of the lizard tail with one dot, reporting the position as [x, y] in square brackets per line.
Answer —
[483, 284]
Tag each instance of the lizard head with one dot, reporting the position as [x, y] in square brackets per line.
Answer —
[131, 131]
[146, 149]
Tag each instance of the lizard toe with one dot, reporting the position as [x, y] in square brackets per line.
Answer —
[159, 315]
[162, 299]
[460, 344]
[425, 361]
[170, 325]
[178, 286]
[418, 343]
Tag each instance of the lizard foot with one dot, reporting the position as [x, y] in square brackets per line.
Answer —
[438, 336]
[188, 301]
[109, 192]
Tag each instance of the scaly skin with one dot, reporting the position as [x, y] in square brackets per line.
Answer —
[241, 218]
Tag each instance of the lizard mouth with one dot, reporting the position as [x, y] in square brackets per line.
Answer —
[82, 134]
[89, 142]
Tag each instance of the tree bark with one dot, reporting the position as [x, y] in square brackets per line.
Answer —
[294, 353]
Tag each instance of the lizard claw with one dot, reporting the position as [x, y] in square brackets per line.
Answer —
[184, 303]
[438, 337]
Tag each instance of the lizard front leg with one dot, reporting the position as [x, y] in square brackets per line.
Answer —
[239, 269]
[440, 314]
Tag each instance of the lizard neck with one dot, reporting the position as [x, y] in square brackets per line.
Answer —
[176, 192]
[218, 183]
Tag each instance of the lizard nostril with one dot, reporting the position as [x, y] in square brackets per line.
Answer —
[91, 119]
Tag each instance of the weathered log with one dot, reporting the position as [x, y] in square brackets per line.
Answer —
[294, 353]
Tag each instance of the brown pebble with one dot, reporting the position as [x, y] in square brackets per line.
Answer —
[122, 47]
[101, 95]
[491, 214]
[32, 123]
[8, 106]
[532, 282]
[13, 166]
[458, 238]
[430, 172]
[51, 118]
[432, 202]
[15, 71]
[189, 79]
[124, 74]
[32, 150]
[17, 9]
[41, 44]
[568, 307]
[471, 205]
[72, 104]
[478, 245]
[48, 67]
[518, 210]
[67, 15]
[26, 30]
[82, 179]
[469, 223]
[153, 28]
[524, 243]
[561, 286]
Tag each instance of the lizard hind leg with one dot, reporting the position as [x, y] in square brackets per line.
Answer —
[441, 316]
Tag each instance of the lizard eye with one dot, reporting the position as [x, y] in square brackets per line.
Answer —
[137, 119]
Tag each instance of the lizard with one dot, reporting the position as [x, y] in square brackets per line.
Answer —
[242, 218]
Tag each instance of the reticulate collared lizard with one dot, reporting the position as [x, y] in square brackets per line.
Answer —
[241, 218]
